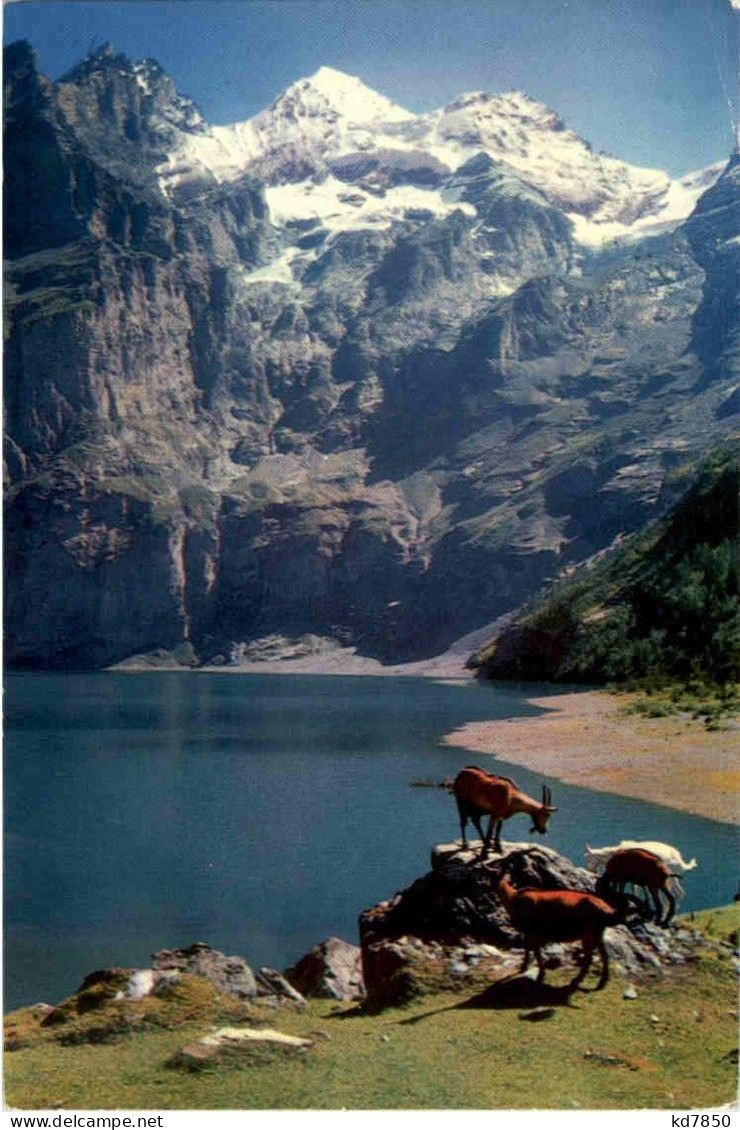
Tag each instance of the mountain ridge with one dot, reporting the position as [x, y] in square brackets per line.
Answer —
[382, 421]
[278, 140]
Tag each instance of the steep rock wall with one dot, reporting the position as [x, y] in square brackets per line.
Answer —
[220, 426]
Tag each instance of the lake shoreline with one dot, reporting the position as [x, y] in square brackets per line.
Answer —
[335, 661]
[584, 738]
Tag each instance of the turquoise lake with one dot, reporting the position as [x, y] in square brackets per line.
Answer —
[258, 813]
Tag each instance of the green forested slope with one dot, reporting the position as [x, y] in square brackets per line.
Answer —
[664, 604]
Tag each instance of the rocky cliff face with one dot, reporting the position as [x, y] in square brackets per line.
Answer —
[339, 370]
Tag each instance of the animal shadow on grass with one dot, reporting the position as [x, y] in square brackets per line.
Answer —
[515, 991]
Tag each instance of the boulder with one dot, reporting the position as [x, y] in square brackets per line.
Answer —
[392, 971]
[231, 975]
[332, 969]
[278, 987]
[234, 1044]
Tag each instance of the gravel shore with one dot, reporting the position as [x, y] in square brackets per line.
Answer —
[586, 739]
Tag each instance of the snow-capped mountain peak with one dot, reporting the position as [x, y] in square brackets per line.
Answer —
[351, 97]
[327, 113]
[321, 124]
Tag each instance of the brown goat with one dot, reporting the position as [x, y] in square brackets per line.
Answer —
[642, 869]
[558, 916]
[478, 793]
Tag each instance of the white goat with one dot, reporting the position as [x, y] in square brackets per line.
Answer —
[598, 857]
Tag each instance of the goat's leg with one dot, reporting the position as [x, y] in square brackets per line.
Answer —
[657, 904]
[475, 817]
[638, 901]
[497, 840]
[604, 964]
[525, 959]
[540, 963]
[671, 907]
[588, 953]
[463, 822]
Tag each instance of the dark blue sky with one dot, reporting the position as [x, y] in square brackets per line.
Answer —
[642, 79]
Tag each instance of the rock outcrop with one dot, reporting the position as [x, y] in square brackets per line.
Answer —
[449, 924]
[180, 984]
